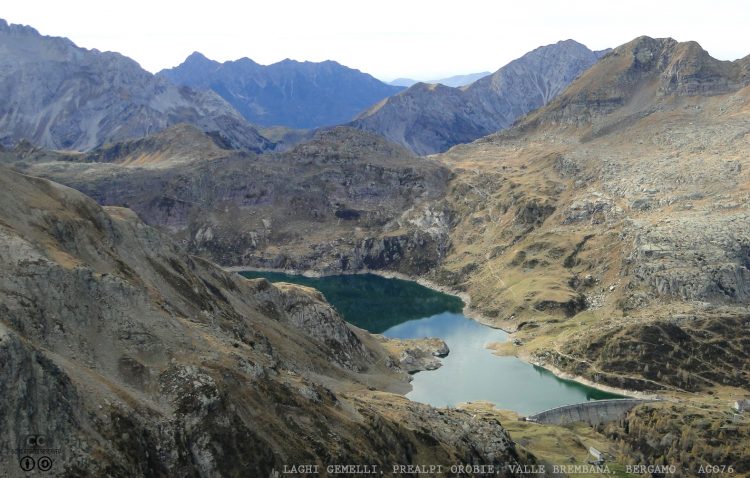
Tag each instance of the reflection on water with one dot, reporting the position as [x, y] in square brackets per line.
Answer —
[405, 309]
[471, 372]
[372, 302]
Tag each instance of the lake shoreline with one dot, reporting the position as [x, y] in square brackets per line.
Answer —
[589, 383]
[468, 311]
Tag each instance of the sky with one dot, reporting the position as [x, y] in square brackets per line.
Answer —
[415, 39]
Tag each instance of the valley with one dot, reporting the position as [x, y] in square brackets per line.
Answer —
[403, 310]
[593, 204]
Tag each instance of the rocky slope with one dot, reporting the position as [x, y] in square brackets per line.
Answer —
[430, 118]
[346, 200]
[133, 359]
[60, 96]
[610, 229]
[610, 226]
[288, 93]
[619, 206]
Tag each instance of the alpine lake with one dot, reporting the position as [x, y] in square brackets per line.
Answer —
[404, 309]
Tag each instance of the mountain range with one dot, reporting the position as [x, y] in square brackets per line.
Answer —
[92, 98]
[60, 96]
[430, 118]
[288, 93]
[607, 228]
[603, 221]
[453, 81]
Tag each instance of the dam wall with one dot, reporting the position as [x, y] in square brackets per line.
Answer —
[593, 412]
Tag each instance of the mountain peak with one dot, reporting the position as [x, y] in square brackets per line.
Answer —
[430, 118]
[570, 42]
[291, 93]
[197, 56]
[15, 28]
[635, 77]
[77, 99]
[199, 60]
[682, 68]
[247, 61]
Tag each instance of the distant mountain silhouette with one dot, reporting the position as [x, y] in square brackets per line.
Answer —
[454, 81]
[287, 93]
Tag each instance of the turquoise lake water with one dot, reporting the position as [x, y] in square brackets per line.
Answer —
[405, 309]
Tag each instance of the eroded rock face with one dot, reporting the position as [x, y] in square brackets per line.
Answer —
[696, 258]
[306, 309]
[134, 359]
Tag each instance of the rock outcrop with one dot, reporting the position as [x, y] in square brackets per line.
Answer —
[60, 96]
[415, 355]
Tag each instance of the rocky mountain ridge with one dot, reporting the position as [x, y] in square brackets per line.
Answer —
[302, 95]
[633, 79]
[60, 96]
[346, 200]
[608, 225]
[430, 118]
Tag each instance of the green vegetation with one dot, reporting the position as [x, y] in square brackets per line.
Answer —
[685, 436]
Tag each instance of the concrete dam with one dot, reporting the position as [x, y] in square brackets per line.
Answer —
[593, 412]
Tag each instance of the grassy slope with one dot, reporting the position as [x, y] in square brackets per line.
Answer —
[638, 210]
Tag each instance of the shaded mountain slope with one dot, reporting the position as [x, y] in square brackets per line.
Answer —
[137, 360]
[431, 118]
[288, 93]
[60, 96]
[345, 200]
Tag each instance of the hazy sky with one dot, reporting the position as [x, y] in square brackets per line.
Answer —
[387, 38]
